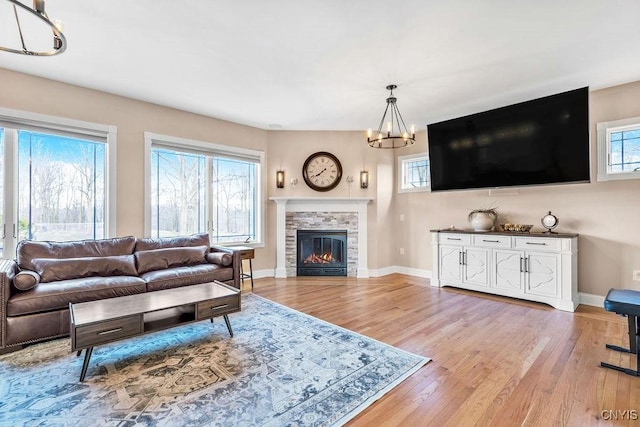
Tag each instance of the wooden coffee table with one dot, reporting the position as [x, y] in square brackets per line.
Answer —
[107, 320]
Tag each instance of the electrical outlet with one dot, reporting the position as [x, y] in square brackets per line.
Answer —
[401, 217]
[636, 275]
[401, 251]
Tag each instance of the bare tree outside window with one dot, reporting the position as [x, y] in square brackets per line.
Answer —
[183, 202]
[233, 193]
[178, 193]
[61, 187]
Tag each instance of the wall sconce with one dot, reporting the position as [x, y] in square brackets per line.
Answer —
[280, 179]
[364, 179]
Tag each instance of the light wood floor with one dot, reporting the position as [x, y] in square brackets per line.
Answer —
[495, 361]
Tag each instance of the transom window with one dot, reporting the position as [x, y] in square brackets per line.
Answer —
[619, 149]
[413, 173]
[54, 180]
[196, 187]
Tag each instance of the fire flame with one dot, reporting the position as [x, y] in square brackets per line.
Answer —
[318, 259]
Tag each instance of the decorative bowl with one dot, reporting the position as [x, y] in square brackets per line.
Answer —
[521, 228]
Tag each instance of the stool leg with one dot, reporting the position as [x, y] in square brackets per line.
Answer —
[634, 347]
[251, 273]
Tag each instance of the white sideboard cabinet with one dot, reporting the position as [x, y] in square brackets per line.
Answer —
[532, 266]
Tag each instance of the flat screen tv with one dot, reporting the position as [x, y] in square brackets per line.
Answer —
[543, 141]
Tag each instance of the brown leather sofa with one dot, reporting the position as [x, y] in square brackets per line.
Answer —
[37, 287]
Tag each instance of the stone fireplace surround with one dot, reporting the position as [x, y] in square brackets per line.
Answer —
[348, 213]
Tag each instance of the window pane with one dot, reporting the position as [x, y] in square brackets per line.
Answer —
[625, 151]
[416, 173]
[178, 193]
[61, 187]
[234, 200]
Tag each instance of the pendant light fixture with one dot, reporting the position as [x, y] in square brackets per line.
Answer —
[59, 40]
[395, 134]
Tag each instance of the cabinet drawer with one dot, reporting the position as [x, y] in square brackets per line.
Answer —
[218, 307]
[454, 239]
[491, 241]
[104, 332]
[537, 244]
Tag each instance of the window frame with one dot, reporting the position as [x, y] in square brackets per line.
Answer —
[604, 130]
[152, 140]
[402, 162]
[17, 119]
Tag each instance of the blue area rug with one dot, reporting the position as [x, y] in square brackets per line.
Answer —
[281, 368]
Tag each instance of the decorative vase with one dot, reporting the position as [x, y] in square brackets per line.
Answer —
[482, 221]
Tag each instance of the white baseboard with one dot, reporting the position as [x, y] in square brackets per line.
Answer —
[425, 274]
[261, 274]
[381, 271]
[590, 299]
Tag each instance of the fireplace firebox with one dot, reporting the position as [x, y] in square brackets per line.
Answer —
[321, 253]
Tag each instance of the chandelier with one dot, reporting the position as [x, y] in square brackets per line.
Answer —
[59, 40]
[396, 134]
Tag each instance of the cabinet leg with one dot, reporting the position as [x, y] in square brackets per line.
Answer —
[85, 364]
[226, 320]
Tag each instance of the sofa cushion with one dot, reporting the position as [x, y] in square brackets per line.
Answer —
[58, 295]
[29, 249]
[201, 239]
[52, 269]
[221, 258]
[158, 259]
[25, 280]
[183, 276]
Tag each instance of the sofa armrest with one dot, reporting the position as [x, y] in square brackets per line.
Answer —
[8, 270]
[235, 264]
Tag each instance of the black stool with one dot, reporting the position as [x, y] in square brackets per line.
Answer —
[625, 302]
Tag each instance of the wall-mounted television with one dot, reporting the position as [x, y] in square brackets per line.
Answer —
[537, 142]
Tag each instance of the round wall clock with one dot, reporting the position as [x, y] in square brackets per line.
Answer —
[322, 171]
[549, 222]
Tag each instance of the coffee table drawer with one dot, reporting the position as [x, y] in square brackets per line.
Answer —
[104, 332]
[218, 307]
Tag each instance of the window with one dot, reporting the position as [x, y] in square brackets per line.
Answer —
[201, 187]
[54, 180]
[619, 149]
[413, 173]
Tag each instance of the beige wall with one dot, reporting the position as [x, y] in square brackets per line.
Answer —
[289, 149]
[606, 215]
[132, 118]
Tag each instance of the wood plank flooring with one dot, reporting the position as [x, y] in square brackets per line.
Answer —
[495, 361]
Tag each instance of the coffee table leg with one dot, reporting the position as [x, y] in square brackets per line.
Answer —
[85, 365]
[78, 353]
[226, 320]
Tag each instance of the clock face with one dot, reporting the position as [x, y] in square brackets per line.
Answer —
[549, 221]
[322, 171]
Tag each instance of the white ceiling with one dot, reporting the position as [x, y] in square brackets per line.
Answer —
[325, 64]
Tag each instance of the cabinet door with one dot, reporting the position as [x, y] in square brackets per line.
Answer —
[476, 266]
[508, 269]
[450, 263]
[542, 274]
